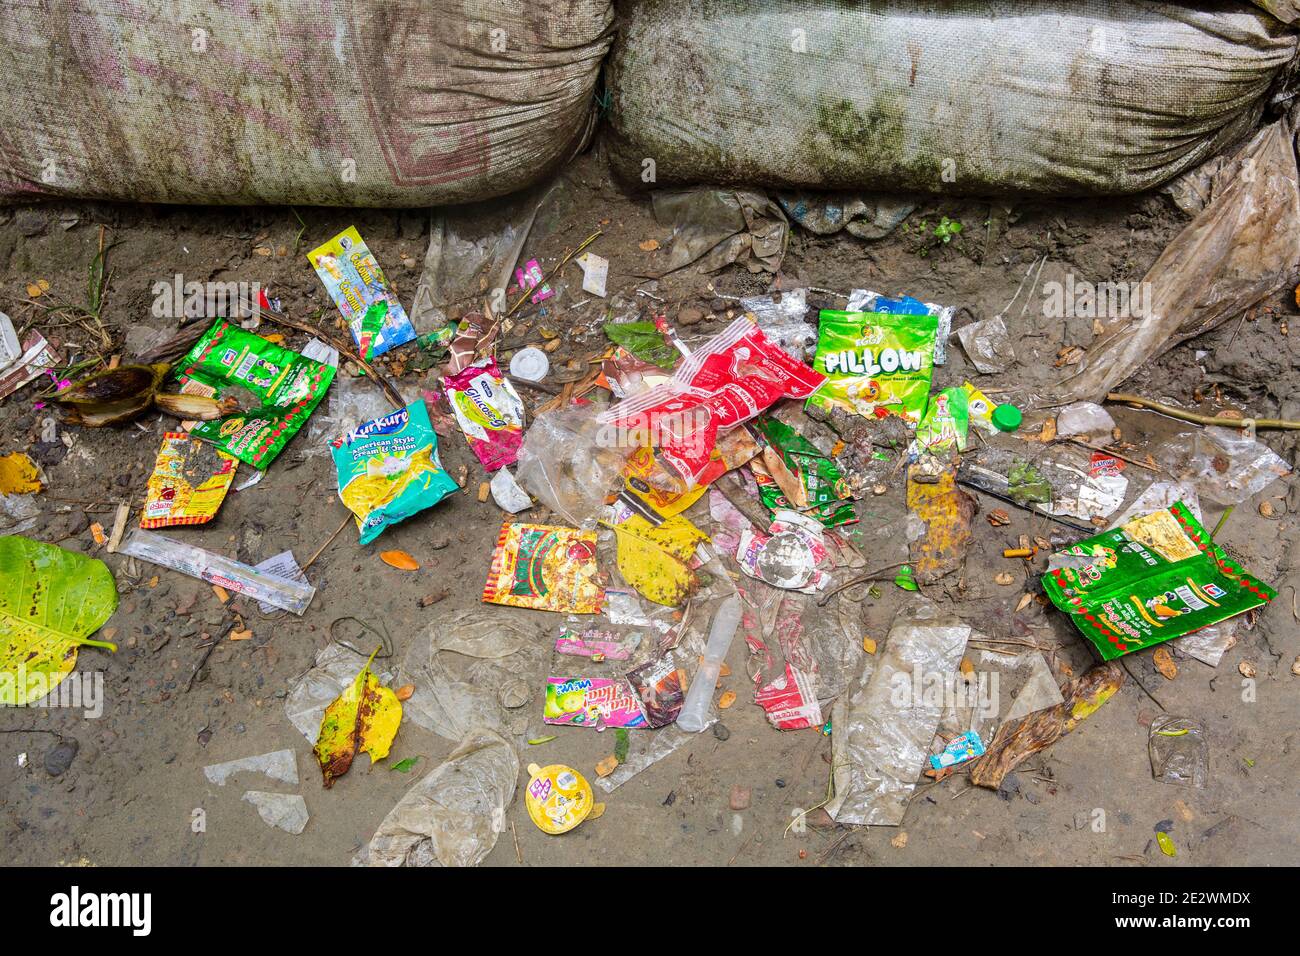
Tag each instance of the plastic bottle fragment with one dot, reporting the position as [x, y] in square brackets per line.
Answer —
[695, 710]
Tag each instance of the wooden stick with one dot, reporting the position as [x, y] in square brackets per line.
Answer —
[1198, 419]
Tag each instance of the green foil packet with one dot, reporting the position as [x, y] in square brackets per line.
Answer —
[285, 388]
[876, 363]
[822, 480]
[1154, 578]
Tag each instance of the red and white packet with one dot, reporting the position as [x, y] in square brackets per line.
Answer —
[736, 375]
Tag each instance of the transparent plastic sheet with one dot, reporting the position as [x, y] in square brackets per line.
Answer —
[349, 402]
[1241, 248]
[1083, 418]
[1003, 687]
[1224, 465]
[658, 745]
[987, 344]
[232, 575]
[284, 811]
[453, 816]
[882, 731]
[570, 462]
[1066, 469]
[278, 765]
[716, 227]
[783, 322]
[1179, 751]
[474, 669]
[18, 513]
[335, 669]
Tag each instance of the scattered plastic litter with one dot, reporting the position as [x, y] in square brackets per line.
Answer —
[284, 811]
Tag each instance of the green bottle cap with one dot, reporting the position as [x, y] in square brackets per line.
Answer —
[1006, 418]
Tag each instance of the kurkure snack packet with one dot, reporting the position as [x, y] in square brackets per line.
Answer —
[489, 413]
[189, 481]
[545, 567]
[388, 469]
[1156, 577]
[356, 283]
[282, 388]
[731, 378]
[876, 363]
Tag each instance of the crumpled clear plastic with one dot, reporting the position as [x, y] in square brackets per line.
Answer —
[783, 322]
[1003, 687]
[987, 344]
[1226, 467]
[717, 227]
[1083, 418]
[882, 731]
[1242, 247]
[284, 811]
[1179, 751]
[570, 462]
[477, 668]
[278, 765]
[453, 816]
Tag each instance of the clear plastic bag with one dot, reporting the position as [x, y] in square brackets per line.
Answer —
[453, 816]
[570, 462]
[474, 669]
[1179, 751]
[883, 730]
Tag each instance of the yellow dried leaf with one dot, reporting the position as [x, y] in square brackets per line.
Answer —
[19, 475]
[606, 766]
[650, 245]
[869, 645]
[365, 717]
[1164, 662]
[727, 699]
[400, 560]
[899, 841]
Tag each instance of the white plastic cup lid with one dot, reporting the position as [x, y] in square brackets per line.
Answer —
[530, 364]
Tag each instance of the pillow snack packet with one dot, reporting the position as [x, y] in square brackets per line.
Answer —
[489, 412]
[388, 469]
[591, 702]
[189, 481]
[361, 292]
[1156, 577]
[284, 387]
[876, 363]
[732, 378]
[545, 567]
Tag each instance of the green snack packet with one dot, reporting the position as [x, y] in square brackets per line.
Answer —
[388, 469]
[823, 483]
[876, 363]
[286, 388]
[946, 422]
[1156, 577]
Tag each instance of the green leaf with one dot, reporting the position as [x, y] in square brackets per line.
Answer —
[644, 341]
[620, 744]
[405, 765]
[905, 580]
[51, 601]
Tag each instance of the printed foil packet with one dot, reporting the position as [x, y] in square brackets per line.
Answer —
[1151, 579]
[281, 389]
[362, 293]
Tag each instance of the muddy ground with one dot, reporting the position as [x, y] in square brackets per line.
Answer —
[130, 794]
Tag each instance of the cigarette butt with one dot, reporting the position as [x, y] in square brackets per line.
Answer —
[222, 595]
[484, 489]
[1018, 553]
